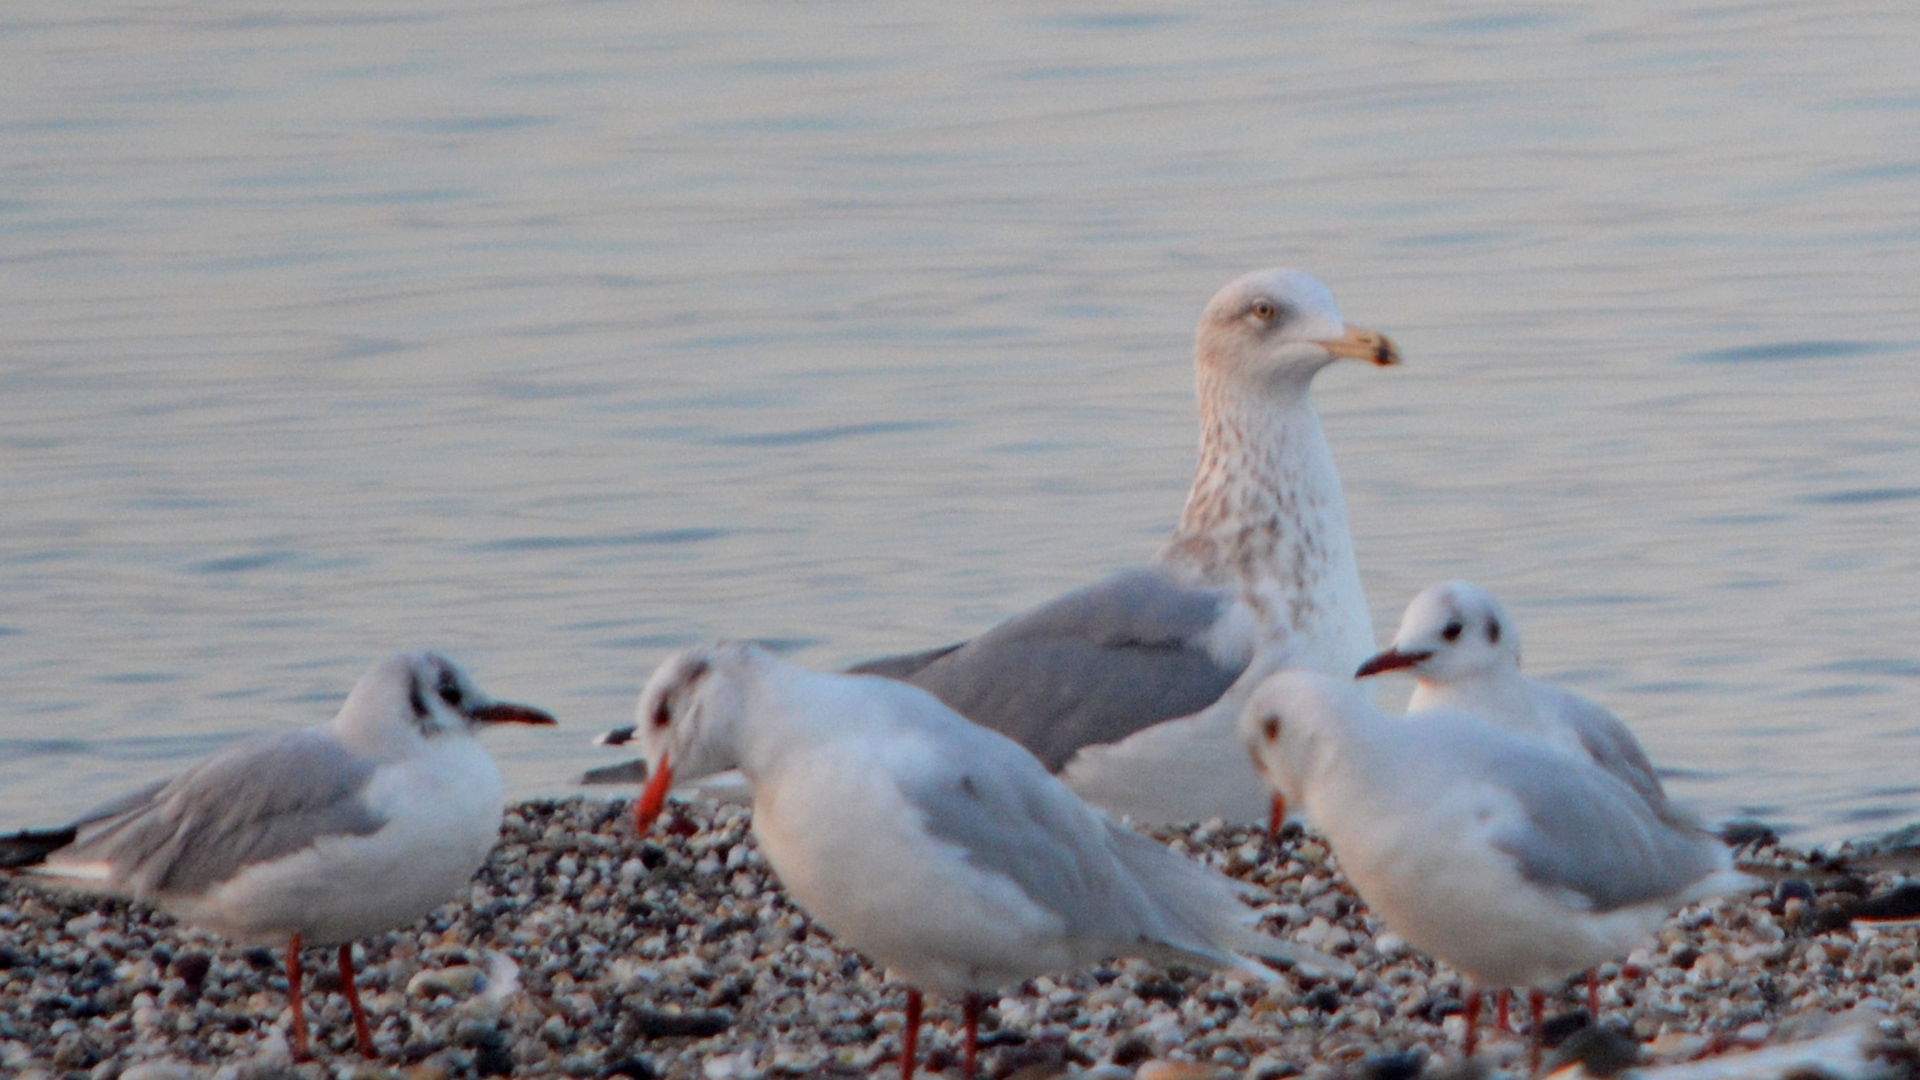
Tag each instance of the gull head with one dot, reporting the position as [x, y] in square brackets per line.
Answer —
[1452, 631]
[1278, 328]
[686, 719]
[1292, 721]
[422, 695]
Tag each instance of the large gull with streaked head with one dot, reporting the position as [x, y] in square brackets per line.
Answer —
[1130, 687]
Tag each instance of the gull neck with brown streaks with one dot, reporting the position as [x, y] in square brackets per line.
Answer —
[1265, 515]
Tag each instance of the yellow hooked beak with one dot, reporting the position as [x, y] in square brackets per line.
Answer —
[1360, 343]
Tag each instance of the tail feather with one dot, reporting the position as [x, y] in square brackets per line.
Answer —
[1202, 909]
[30, 847]
[619, 736]
[1311, 961]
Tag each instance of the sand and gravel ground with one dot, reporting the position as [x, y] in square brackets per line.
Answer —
[585, 951]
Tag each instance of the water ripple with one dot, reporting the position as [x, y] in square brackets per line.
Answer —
[827, 434]
[639, 539]
[1859, 496]
[1789, 350]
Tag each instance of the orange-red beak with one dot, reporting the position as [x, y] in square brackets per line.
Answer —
[654, 798]
[1391, 660]
[1277, 816]
[506, 712]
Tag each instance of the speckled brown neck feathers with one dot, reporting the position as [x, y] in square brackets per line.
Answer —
[1265, 513]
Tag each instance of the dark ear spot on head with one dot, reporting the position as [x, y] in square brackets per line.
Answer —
[449, 688]
[1452, 630]
[1493, 631]
[416, 698]
[1271, 728]
[663, 712]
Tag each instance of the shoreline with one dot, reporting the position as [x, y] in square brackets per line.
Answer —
[585, 951]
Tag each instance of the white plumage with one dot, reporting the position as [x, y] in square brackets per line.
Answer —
[939, 848]
[314, 837]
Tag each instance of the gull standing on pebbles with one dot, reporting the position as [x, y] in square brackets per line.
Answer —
[1463, 651]
[1130, 688]
[1515, 862]
[313, 837]
[938, 847]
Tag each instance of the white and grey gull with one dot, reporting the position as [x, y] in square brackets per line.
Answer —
[1511, 860]
[937, 847]
[319, 836]
[1130, 688]
[1462, 648]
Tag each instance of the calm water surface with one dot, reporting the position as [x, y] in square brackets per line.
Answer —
[559, 335]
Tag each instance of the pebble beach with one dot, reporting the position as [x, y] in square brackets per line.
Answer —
[587, 951]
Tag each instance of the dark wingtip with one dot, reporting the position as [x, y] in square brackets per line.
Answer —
[1900, 904]
[619, 736]
[31, 847]
[627, 772]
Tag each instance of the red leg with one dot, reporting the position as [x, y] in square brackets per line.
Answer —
[1501, 999]
[973, 1035]
[1593, 995]
[293, 1001]
[1473, 1021]
[911, 1041]
[360, 1031]
[1537, 1004]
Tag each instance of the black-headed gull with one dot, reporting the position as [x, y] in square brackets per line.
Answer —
[1515, 862]
[940, 848]
[1463, 649]
[314, 837]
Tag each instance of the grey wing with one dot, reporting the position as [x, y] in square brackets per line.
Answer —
[1014, 820]
[255, 802]
[1612, 746]
[1093, 666]
[903, 667]
[1586, 831]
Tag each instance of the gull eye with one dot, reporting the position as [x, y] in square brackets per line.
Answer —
[449, 689]
[1271, 728]
[1263, 309]
[1452, 631]
[1493, 632]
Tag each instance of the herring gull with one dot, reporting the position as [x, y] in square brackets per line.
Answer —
[1130, 688]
